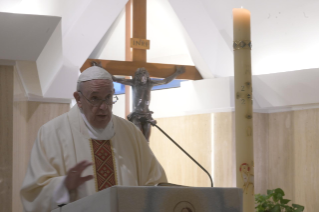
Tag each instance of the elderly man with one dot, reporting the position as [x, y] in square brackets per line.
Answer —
[87, 149]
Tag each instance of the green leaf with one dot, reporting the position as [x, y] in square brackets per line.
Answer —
[260, 208]
[279, 191]
[289, 209]
[299, 208]
[269, 192]
[275, 209]
[284, 201]
[260, 197]
[276, 198]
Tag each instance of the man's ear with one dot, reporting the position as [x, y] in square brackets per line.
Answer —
[77, 98]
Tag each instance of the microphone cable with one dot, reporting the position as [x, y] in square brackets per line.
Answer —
[211, 180]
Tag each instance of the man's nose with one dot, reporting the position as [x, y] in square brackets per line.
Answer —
[103, 105]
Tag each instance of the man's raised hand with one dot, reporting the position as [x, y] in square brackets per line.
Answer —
[73, 179]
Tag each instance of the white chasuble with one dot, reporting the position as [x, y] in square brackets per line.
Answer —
[64, 141]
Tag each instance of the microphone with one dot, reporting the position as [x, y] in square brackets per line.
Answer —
[153, 124]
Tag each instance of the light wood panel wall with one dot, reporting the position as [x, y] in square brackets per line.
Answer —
[193, 133]
[261, 137]
[6, 134]
[224, 150]
[20, 152]
[20, 110]
[280, 153]
[306, 159]
[28, 117]
[286, 155]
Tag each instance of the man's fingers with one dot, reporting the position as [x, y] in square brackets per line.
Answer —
[78, 168]
[84, 166]
[86, 178]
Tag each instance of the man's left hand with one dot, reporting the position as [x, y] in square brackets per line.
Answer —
[73, 179]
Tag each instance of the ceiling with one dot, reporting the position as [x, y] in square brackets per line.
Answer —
[284, 33]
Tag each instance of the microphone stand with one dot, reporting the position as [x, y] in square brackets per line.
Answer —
[211, 180]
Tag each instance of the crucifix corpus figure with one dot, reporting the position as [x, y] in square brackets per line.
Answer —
[142, 86]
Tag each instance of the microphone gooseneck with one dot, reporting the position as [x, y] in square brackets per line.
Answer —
[211, 180]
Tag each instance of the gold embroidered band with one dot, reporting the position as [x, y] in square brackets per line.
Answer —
[104, 164]
[242, 44]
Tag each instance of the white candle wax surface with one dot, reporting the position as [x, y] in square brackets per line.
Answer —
[241, 21]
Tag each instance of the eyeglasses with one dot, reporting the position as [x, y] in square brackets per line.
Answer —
[98, 102]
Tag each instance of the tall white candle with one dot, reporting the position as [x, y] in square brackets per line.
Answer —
[243, 106]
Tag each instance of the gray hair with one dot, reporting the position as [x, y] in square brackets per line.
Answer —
[79, 86]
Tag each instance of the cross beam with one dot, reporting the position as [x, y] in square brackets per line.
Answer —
[128, 68]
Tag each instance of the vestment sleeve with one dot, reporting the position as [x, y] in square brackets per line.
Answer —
[151, 171]
[41, 179]
[61, 194]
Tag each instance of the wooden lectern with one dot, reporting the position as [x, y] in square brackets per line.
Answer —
[159, 199]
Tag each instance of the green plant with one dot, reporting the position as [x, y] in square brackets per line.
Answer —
[274, 202]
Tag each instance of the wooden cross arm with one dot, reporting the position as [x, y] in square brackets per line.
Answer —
[128, 68]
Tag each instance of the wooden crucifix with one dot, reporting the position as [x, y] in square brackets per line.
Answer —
[137, 58]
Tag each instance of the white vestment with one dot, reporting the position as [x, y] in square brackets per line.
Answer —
[64, 141]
